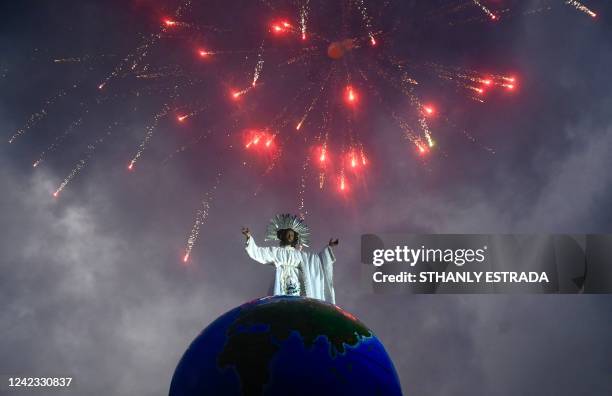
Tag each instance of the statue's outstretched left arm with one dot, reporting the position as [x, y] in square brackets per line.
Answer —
[327, 260]
[327, 254]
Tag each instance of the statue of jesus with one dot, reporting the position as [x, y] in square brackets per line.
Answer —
[298, 273]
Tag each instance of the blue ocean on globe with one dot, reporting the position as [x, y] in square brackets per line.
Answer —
[284, 345]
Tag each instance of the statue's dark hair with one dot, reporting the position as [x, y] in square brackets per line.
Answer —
[281, 235]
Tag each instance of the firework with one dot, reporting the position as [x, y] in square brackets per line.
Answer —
[58, 140]
[303, 87]
[82, 163]
[150, 130]
[485, 9]
[35, 118]
[304, 9]
[581, 7]
[201, 216]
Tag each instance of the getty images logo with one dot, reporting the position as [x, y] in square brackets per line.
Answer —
[412, 256]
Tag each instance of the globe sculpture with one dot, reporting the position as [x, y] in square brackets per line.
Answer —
[285, 345]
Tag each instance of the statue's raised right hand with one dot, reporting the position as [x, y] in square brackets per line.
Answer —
[246, 232]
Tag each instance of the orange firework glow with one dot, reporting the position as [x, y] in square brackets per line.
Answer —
[352, 159]
[422, 148]
[343, 184]
[322, 154]
[281, 27]
[254, 138]
[429, 110]
[351, 95]
[169, 22]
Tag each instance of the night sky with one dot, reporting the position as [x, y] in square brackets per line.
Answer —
[93, 285]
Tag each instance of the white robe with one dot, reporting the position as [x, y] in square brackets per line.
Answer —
[297, 272]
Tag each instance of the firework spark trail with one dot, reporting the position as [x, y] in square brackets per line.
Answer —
[426, 132]
[283, 117]
[191, 114]
[305, 116]
[424, 146]
[406, 88]
[305, 166]
[238, 94]
[484, 9]
[302, 191]
[59, 139]
[40, 114]
[174, 23]
[256, 74]
[259, 66]
[507, 13]
[467, 78]
[131, 60]
[82, 163]
[404, 84]
[342, 181]
[367, 20]
[207, 133]
[201, 216]
[322, 140]
[148, 135]
[304, 10]
[581, 7]
[82, 59]
[161, 72]
[409, 134]
[314, 102]
[461, 80]
[456, 75]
